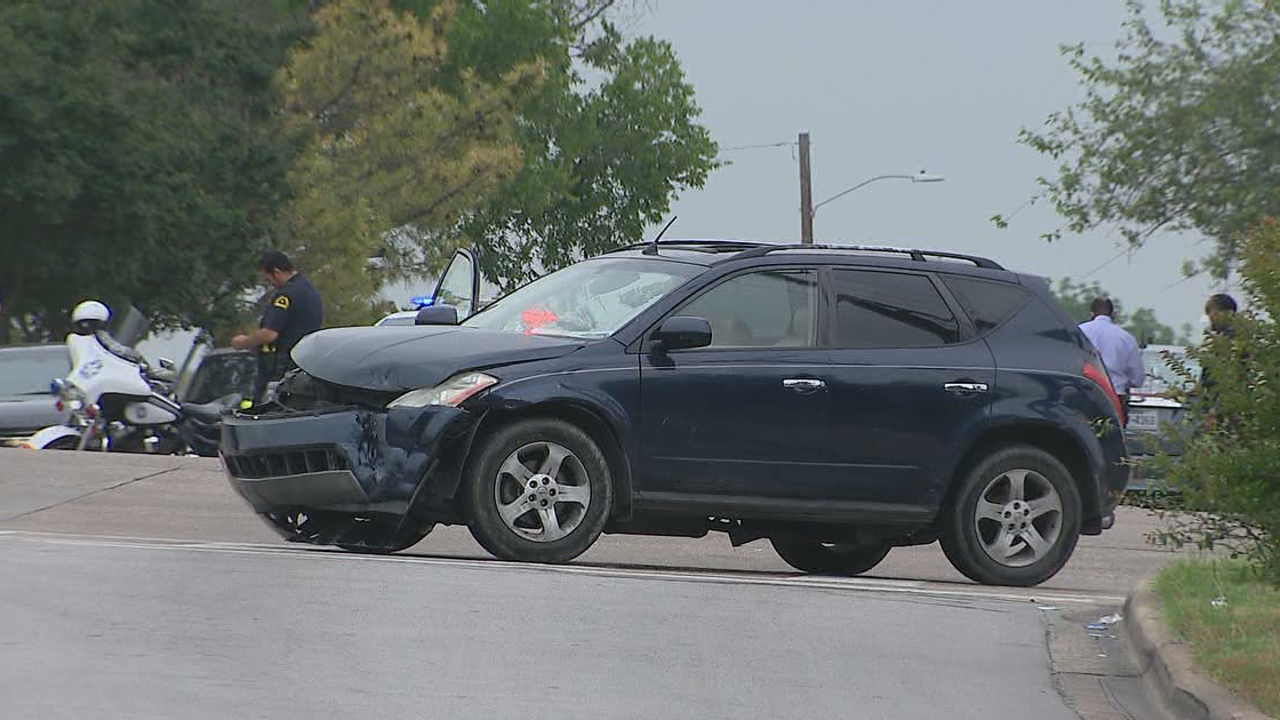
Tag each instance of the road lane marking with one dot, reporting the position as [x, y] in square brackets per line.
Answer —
[920, 588]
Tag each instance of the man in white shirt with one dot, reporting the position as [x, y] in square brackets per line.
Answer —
[1119, 351]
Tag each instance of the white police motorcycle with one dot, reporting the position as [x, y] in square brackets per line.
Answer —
[114, 401]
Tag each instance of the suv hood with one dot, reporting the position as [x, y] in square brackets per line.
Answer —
[406, 358]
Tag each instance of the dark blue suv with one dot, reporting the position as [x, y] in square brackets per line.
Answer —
[838, 401]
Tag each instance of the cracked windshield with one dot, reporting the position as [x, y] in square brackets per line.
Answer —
[621, 359]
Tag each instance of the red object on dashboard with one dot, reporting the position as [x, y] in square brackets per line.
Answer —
[536, 317]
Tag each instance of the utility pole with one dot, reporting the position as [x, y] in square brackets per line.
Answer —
[806, 193]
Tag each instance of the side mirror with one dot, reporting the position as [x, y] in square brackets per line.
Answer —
[167, 364]
[437, 315]
[682, 333]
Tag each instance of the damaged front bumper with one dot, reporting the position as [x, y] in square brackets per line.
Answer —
[349, 476]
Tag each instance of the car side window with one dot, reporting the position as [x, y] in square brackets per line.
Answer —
[987, 303]
[890, 310]
[776, 308]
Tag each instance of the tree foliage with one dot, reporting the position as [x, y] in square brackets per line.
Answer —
[140, 158]
[152, 148]
[396, 158]
[1077, 297]
[1230, 468]
[609, 139]
[1179, 132]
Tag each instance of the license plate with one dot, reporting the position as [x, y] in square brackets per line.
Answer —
[1144, 419]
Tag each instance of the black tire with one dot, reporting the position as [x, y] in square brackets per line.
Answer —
[404, 544]
[366, 550]
[66, 442]
[587, 474]
[966, 537]
[819, 558]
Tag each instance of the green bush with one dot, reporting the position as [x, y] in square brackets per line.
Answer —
[1229, 471]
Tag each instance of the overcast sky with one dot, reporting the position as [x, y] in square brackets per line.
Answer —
[896, 87]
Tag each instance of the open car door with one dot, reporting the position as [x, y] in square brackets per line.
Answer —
[459, 286]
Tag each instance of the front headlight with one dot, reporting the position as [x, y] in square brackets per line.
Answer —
[450, 393]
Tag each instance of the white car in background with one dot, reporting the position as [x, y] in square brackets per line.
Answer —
[402, 317]
[1154, 417]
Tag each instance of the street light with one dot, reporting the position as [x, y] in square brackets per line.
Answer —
[807, 208]
[806, 224]
[920, 177]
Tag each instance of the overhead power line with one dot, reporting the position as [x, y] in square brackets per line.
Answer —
[761, 146]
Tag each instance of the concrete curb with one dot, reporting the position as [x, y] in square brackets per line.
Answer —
[1167, 666]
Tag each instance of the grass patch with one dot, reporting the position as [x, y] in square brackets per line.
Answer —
[1237, 641]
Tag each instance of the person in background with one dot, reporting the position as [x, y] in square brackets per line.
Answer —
[1120, 352]
[1220, 308]
[294, 312]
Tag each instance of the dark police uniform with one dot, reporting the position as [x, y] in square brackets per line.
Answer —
[294, 312]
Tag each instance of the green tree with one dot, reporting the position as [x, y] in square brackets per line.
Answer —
[141, 158]
[608, 141]
[1077, 297]
[1180, 132]
[1148, 329]
[1229, 470]
[396, 158]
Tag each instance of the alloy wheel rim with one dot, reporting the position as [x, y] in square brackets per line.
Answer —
[542, 492]
[1018, 518]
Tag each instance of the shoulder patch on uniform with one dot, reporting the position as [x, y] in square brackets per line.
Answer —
[281, 301]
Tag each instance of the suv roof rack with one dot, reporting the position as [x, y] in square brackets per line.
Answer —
[717, 246]
[914, 254]
[755, 248]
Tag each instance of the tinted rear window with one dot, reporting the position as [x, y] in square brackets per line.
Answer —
[987, 303]
[890, 310]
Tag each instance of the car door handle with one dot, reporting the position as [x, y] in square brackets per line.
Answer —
[803, 384]
[965, 388]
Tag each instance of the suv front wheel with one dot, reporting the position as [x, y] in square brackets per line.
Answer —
[1015, 519]
[540, 492]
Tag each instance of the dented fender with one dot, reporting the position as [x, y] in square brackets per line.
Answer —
[606, 400]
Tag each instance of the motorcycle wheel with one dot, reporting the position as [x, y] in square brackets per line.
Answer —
[66, 442]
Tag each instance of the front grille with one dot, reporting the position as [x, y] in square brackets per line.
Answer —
[300, 391]
[295, 462]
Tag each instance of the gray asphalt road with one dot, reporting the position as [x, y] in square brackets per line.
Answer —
[90, 631]
[142, 587]
[189, 499]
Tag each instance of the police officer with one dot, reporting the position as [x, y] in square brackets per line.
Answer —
[294, 312]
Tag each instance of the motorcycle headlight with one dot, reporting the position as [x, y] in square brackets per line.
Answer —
[450, 393]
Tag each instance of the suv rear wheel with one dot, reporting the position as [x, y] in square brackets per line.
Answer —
[1015, 519]
[540, 491]
[821, 558]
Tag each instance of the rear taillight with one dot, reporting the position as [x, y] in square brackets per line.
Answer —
[1095, 372]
